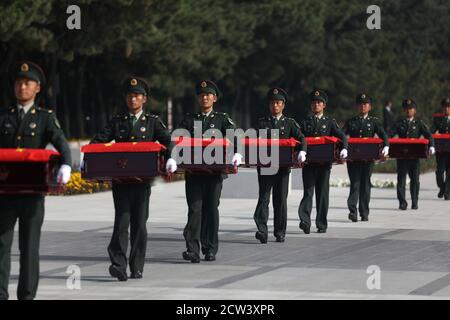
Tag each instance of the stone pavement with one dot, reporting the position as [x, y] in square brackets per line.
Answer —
[412, 250]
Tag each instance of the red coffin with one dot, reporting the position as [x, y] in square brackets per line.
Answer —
[322, 149]
[254, 148]
[29, 171]
[192, 150]
[124, 162]
[442, 142]
[364, 149]
[408, 148]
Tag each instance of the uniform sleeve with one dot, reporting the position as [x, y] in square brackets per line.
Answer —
[426, 133]
[345, 128]
[298, 135]
[394, 130]
[164, 137]
[228, 123]
[106, 135]
[379, 130]
[436, 125]
[337, 132]
[58, 140]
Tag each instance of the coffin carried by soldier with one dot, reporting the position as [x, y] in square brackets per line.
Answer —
[123, 161]
[29, 171]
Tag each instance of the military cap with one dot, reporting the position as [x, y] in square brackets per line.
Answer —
[363, 98]
[207, 86]
[29, 70]
[409, 103]
[277, 94]
[318, 94]
[445, 102]
[135, 85]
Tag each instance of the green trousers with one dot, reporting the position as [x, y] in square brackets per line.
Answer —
[131, 203]
[360, 187]
[278, 185]
[316, 177]
[410, 167]
[203, 199]
[443, 174]
[29, 211]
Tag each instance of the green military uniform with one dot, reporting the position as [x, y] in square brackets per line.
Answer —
[203, 191]
[360, 172]
[405, 128]
[35, 130]
[442, 125]
[131, 201]
[317, 176]
[279, 182]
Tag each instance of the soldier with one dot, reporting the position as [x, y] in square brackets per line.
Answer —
[362, 126]
[203, 191]
[317, 176]
[443, 159]
[287, 128]
[410, 127]
[27, 126]
[131, 201]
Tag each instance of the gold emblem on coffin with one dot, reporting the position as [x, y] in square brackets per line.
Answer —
[122, 163]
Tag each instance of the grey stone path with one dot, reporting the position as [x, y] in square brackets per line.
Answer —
[412, 250]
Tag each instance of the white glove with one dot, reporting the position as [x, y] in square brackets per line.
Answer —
[171, 166]
[344, 154]
[385, 152]
[237, 159]
[301, 156]
[64, 174]
[432, 150]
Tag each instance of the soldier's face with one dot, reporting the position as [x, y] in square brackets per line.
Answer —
[364, 108]
[26, 89]
[317, 106]
[206, 100]
[135, 102]
[276, 107]
[446, 110]
[410, 112]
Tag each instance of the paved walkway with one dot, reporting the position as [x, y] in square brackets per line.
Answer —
[411, 250]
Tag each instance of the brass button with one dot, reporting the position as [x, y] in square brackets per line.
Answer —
[32, 134]
[132, 138]
[19, 137]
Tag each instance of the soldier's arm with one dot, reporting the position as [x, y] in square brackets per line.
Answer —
[56, 137]
[379, 130]
[426, 133]
[106, 135]
[298, 135]
[345, 128]
[394, 130]
[228, 124]
[163, 136]
[337, 132]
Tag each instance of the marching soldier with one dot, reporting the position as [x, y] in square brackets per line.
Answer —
[287, 128]
[131, 201]
[443, 159]
[410, 127]
[203, 191]
[362, 126]
[27, 126]
[317, 176]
